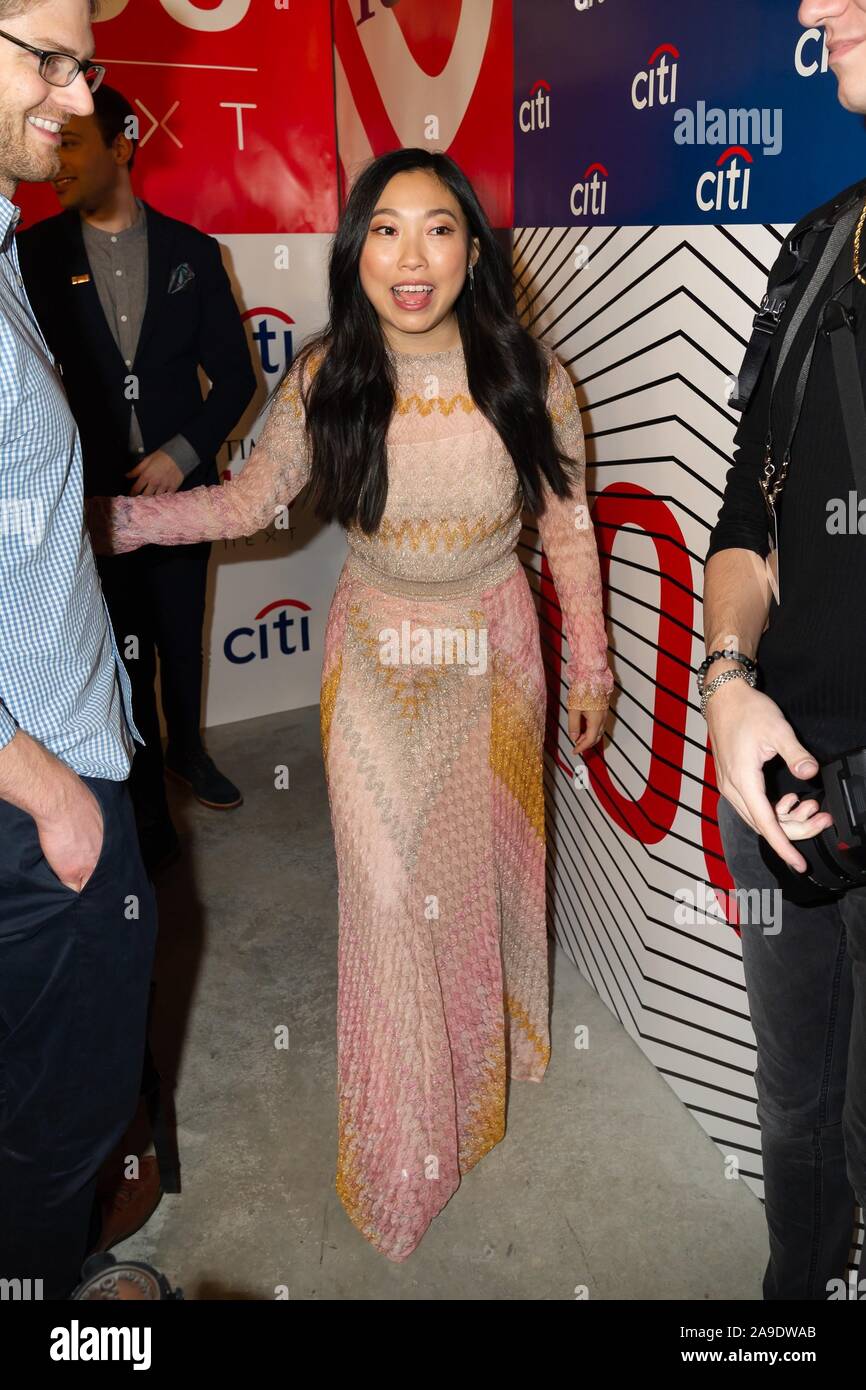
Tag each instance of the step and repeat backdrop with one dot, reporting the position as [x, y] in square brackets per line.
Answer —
[235, 106]
[254, 116]
[661, 153]
[650, 160]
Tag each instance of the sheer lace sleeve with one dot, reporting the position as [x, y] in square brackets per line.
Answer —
[272, 477]
[568, 540]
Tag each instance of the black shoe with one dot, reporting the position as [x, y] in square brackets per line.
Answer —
[208, 784]
[160, 845]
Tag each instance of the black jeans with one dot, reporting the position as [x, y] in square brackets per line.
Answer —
[75, 974]
[157, 594]
[806, 986]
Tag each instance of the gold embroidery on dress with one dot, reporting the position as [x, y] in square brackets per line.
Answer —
[445, 406]
[584, 697]
[514, 753]
[326, 709]
[558, 416]
[487, 1119]
[468, 533]
[350, 1188]
[290, 394]
[518, 1015]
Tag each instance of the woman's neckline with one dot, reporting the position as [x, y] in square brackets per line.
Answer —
[422, 356]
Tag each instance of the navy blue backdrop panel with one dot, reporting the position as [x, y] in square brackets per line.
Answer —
[675, 112]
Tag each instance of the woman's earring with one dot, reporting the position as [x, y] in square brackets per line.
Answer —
[472, 278]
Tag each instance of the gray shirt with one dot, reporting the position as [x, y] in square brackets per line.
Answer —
[118, 263]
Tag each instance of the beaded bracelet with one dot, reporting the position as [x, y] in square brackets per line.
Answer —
[727, 655]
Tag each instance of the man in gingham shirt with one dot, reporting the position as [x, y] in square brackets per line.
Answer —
[77, 918]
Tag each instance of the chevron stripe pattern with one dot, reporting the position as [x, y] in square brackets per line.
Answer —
[652, 323]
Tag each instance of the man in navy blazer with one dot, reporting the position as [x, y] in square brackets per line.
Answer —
[132, 303]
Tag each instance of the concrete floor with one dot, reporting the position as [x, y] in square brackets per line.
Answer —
[603, 1179]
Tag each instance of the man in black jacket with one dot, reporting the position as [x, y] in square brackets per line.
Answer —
[785, 586]
[132, 303]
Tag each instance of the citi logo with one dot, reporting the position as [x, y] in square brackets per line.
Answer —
[658, 85]
[241, 646]
[807, 60]
[590, 195]
[718, 189]
[534, 113]
[271, 331]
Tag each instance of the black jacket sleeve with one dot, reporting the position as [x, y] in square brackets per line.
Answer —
[225, 356]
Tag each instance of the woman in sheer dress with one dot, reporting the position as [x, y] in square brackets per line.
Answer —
[425, 418]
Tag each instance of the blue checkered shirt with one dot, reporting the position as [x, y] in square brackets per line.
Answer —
[61, 676]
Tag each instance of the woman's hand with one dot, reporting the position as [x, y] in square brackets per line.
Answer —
[594, 720]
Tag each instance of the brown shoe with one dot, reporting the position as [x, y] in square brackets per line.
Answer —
[128, 1204]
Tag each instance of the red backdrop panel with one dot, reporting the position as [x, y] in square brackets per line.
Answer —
[236, 108]
[474, 90]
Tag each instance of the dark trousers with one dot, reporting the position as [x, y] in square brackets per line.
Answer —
[806, 986]
[157, 595]
[74, 979]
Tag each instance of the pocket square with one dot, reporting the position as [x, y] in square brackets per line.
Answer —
[180, 277]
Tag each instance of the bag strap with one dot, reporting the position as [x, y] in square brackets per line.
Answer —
[772, 307]
[839, 325]
[764, 325]
[831, 252]
[829, 256]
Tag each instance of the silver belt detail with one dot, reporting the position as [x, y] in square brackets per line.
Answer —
[470, 584]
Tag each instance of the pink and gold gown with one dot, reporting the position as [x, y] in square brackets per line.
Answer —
[434, 774]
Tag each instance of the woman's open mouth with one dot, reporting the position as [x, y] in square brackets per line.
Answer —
[412, 296]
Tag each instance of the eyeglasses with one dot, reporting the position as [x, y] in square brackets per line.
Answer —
[60, 69]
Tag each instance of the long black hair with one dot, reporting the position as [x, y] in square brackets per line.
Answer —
[350, 399]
